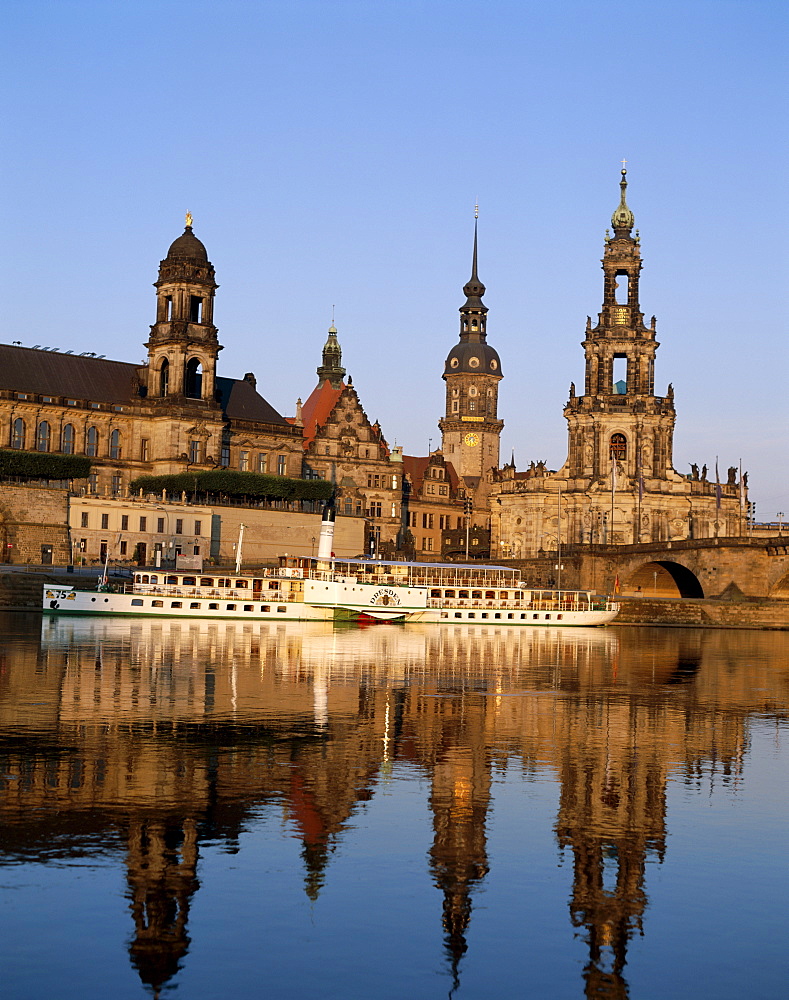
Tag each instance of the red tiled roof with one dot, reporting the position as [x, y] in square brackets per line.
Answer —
[317, 409]
[415, 466]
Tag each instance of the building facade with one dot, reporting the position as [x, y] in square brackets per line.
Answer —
[342, 446]
[173, 414]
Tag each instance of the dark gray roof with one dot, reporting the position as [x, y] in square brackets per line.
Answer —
[240, 401]
[476, 357]
[48, 373]
[100, 380]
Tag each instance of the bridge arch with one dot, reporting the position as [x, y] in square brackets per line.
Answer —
[663, 578]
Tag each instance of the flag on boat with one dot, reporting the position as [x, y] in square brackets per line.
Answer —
[616, 584]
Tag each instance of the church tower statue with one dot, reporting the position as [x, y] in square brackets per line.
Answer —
[619, 419]
[470, 428]
[183, 346]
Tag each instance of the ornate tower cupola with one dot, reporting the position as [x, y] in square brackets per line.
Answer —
[618, 418]
[331, 368]
[470, 427]
[183, 346]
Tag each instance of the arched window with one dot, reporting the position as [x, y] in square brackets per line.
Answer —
[164, 377]
[42, 436]
[92, 442]
[18, 433]
[193, 379]
[68, 440]
[619, 447]
[115, 444]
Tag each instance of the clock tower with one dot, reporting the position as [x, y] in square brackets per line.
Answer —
[470, 427]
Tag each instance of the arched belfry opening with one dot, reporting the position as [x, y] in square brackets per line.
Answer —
[164, 377]
[618, 446]
[193, 379]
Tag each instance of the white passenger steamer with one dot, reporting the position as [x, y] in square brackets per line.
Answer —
[323, 588]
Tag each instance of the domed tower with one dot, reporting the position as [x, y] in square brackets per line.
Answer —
[470, 428]
[183, 346]
[331, 368]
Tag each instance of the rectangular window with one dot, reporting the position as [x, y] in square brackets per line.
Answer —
[198, 527]
[84, 519]
[123, 548]
[179, 526]
[224, 456]
[93, 482]
[243, 461]
[159, 525]
[196, 550]
[116, 486]
[262, 460]
[124, 522]
[71, 402]
[282, 466]
[105, 521]
[144, 450]
[194, 452]
[143, 524]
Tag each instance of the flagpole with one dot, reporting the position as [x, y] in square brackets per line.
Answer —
[742, 498]
[613, 491]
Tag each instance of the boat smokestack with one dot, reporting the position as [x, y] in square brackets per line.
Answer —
[326, 541]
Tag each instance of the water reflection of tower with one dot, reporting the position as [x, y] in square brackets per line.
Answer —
[161, 873]
[459, 800]
[612, 817]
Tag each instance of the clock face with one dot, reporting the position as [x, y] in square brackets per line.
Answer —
[471, 440]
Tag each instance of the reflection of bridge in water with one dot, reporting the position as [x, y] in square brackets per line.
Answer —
[155, 736]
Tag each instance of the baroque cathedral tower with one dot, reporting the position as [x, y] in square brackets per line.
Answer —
[470, 427]
[619, 419]
[618, 485]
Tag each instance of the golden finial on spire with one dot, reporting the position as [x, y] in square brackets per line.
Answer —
[476, 210]
[624, 166]
[189, 219]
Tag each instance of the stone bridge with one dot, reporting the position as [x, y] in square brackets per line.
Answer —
[705, 567]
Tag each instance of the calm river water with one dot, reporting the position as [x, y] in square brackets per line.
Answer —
[294, 811]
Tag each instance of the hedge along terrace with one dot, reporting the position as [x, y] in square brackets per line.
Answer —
[246, 486]
[42, 465]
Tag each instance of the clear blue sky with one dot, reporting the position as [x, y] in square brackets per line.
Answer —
[332, 151]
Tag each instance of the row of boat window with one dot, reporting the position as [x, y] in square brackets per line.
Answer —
[474, 595]
[510, 616]
[210, 606]
[191, 581]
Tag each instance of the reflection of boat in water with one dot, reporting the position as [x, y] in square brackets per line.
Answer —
[386, 650]
[323, 588]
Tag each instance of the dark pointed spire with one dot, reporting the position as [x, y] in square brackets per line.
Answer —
[623, 219]
[474, 289]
